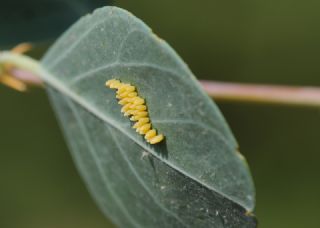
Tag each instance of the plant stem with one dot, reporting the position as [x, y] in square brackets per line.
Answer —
[270, 94]
[21, 62]
[30, 71]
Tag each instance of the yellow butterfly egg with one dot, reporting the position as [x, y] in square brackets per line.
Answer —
[124, 101]
[141, 122]
[126, 88]
[140, 107]
[138, 115]
[156, 139]
[144, 129]
[126, 107]
[150, 134]
[113, 83]
[138, 101]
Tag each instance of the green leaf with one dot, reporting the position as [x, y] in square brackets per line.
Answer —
[195, 178]
[40, 20]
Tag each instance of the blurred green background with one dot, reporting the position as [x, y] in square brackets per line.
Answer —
[245, 41]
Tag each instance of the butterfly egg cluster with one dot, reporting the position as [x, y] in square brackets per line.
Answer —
[135, 108]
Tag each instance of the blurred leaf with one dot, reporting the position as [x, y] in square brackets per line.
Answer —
[40, 20]
[194, 178]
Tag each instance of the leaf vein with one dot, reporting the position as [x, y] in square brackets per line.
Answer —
[74, 45]
[91, 73]
[141, 181]
[95, 158]
[191, 122]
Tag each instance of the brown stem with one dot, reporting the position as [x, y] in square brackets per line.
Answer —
[26, 77]
[272, 94]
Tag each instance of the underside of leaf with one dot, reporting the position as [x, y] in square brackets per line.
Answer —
[195, 179]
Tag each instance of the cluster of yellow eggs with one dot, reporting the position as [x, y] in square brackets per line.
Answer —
[135, 108]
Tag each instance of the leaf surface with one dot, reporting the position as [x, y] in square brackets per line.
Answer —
[195, 178]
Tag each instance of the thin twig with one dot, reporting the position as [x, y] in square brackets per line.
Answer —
[255, 93]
